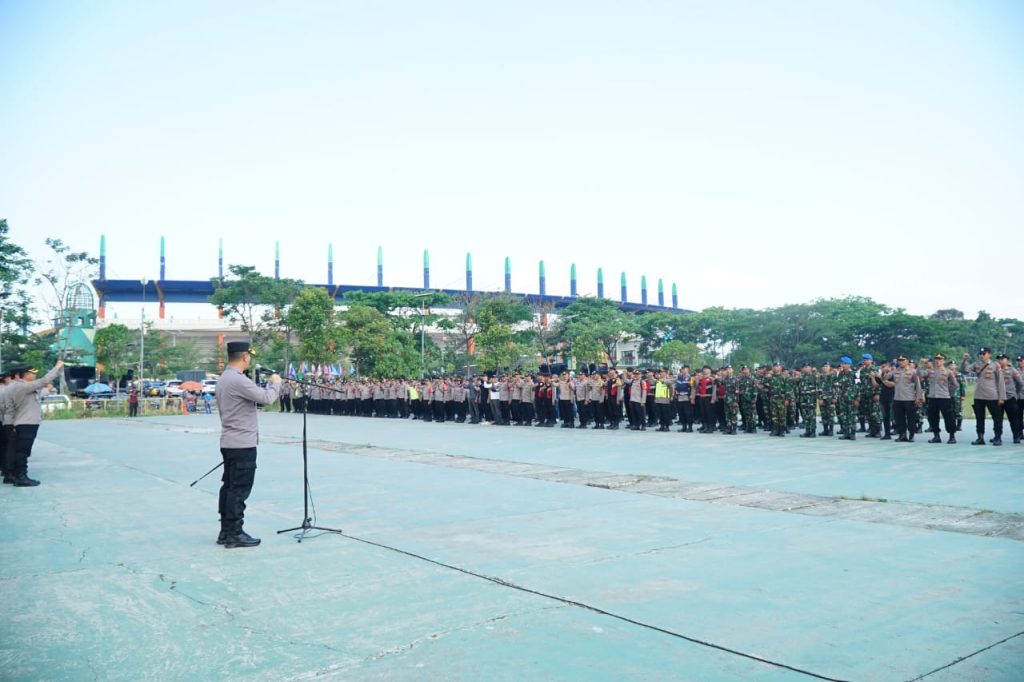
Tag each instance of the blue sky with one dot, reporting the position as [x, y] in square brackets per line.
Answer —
[756, 153]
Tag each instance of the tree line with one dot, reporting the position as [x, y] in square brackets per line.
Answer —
[408, 333]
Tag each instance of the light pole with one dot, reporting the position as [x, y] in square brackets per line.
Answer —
[142, 340]
[423, 337]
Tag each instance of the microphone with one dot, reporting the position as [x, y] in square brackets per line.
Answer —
[265, 370]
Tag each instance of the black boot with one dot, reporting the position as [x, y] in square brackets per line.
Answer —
[240, 539]
[952, 440]
[997, 441]
[980, 440]
[24, 481]
[935, 438]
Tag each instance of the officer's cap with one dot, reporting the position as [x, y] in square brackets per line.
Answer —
[846, 360]
[776, 364]
[807, 363]
[867, 356]
[240, 347]
[940, 356]
[983, 350]
[1004, 356]
[826, 364]
[1020, 357]
[901, 357]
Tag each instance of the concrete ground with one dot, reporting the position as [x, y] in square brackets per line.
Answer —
[507, 553]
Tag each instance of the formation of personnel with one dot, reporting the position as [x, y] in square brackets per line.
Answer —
[892, 399]
[21, 391]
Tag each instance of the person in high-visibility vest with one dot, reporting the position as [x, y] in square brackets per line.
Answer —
[663, 400]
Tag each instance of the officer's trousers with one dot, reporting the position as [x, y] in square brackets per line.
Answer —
[979, 416]
[945, 407]
[236, 484]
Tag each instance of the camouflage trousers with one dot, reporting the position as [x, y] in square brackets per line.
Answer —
[778, 412]
[847, 416]
[872, 411]
[808, 407]
[731, 414]
[747, 412]
[828, 412]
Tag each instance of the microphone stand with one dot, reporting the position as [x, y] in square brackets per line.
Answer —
[307, 521]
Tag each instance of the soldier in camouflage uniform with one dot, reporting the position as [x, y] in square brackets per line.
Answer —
[828, 400]
[747, 389]
[870, 396]
[847, 400]
[808, 396]
[792, 413]
[778, 400]
[958, 397]
[732, 400]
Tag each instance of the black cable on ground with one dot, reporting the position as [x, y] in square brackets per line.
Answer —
[581, 605]
[964, 658]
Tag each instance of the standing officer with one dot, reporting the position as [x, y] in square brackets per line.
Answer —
[847, 400]
[22, 398]
[683, 406]
[907, 395]
[942, 387]
[989, 392]
[828, 400]
[808, 397]
[6, 428]
[778, 386]
[870, 396]
[237, 397]
[1014, 386]
[747, 387]
[885, 399]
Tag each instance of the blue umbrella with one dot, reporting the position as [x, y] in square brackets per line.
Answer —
[97, 388]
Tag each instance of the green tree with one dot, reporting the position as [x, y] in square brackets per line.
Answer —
[117, 350]
[254, 301]
[593, 327]
[312, 317]
[375, 346]
[676, 353]
[16, 270]
[502, 338]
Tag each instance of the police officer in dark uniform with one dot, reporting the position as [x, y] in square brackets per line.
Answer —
[237, 397]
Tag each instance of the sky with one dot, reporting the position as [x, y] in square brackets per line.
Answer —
[754, 153]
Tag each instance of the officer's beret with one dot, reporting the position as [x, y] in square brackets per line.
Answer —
[826, 364]
[845, 360]
[240, 347]
[807, 363]
[867, 356]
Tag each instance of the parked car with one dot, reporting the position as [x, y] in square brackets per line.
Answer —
[54, 402]
[154, 389]
[172, 388]
[210, 386]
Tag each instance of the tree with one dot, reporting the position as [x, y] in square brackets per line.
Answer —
[313, 320]
[16, 270]
[116, 349]
[947, 314]
[676, 353]
[254, 301]
[499, 342]
[594, 327]
[375, 346]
